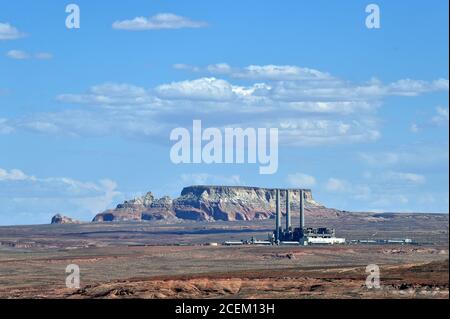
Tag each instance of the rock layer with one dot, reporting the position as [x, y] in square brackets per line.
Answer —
[212, 203]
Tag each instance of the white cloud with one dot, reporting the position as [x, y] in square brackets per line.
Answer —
[300, 82]
[158, 21]
[319, 110]
[310, 131]
[408, 155]
[336, 107]
[23, 55]
[301, 180]
[337, 185]
[216, 91]
[268, 72]
[384, 191]
[378, 195]
[5, 128]
[414, 128]
[9, 32]
[17, 55]
[96, 203]
[14, 175]
[361, 192]
[380, 159]
[112, 95]
[43, 56]
[219, 68]
[335, 90]
[411, 87]
[200, 89]
[181, 66]
[321, 87]
[95, 123]
[406, 177]
[441, 117]
[40, 198]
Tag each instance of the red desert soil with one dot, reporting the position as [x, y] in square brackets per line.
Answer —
[428, 280]
[154, 260]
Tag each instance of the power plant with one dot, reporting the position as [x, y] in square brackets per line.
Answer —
[303, 235]
[300, 235]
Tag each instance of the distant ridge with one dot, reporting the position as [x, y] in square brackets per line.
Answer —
[210, 203]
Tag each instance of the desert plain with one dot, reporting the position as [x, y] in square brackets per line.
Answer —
[176, 260]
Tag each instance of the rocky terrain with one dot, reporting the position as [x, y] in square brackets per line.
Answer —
[159, 259]
[420, 280]
[227, 272]
[212, 203]
[60, 219]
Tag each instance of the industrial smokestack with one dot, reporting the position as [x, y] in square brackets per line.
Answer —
[302, 209]
[288, 213]
[278, 215]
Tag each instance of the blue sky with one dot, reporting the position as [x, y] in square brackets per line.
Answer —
[85, 114]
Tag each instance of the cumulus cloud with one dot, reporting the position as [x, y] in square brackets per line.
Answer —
[312, 83]
[200, 89]
[268, 72]
[42, 197]
[318, 110]
[9, 32]
[301, 180]
[158, 21]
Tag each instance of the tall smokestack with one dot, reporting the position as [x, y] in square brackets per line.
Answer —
[302, 209]
[278, 215]
[288, 213]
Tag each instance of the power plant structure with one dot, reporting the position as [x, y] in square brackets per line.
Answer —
[301, 235]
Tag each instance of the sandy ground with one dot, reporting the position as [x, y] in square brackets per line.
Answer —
[129, 261]
[238, 272]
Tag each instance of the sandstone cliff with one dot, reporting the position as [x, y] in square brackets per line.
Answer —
[211, 203]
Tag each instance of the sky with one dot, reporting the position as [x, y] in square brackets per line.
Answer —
[86, 113]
